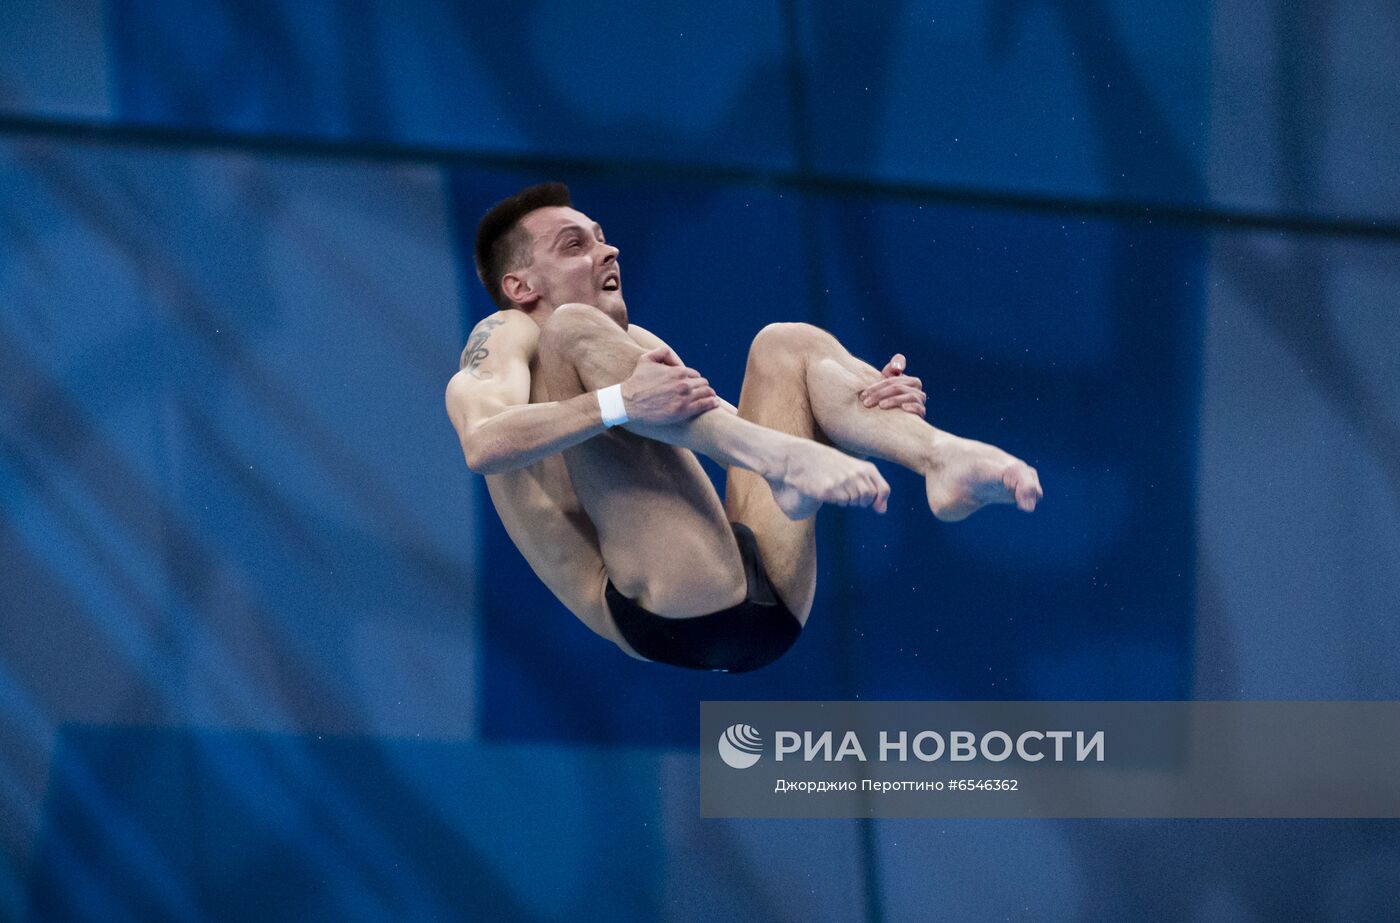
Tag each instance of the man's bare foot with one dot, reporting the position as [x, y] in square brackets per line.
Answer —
[814, 474]
[966, 475]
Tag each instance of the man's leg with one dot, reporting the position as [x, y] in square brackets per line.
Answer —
[801, 380]
[775, 395]
[663, 533]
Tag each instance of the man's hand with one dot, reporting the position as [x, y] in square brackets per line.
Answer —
[661, 390]
[895, 389]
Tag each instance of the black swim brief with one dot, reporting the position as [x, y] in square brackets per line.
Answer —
[745, 637]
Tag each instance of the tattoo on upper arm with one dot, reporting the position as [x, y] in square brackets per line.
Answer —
[476, 349]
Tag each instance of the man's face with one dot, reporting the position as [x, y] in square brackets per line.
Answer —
[572, 262]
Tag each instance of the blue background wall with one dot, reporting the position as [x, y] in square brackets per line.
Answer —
[265, 651]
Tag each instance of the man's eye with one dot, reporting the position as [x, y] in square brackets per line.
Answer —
[577, 243]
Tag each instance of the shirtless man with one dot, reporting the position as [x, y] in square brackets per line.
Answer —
[585, 425]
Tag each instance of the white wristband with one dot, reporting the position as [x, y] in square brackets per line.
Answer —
[610, 401]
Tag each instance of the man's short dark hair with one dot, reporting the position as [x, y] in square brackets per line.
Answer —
[502, 245]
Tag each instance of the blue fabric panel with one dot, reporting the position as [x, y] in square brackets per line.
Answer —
[1029, 332]
[1022, 327]
[1239, 105]
[778, 869]
[213, 367]
[696, 84]
[53, 59]
[1150, 870]
[1300, 469]
[1303, 115]
[148, 824]
[1102, 99]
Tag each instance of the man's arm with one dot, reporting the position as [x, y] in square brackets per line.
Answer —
[488, 400]
[812, 470]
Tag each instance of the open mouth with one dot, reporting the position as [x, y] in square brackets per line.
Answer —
[612, 284]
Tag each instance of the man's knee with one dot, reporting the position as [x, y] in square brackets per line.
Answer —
[789, 343]
[572, 325]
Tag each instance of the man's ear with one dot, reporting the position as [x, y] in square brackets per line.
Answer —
[518, 289]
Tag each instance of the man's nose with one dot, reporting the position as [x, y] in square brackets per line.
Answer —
[610, 253]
